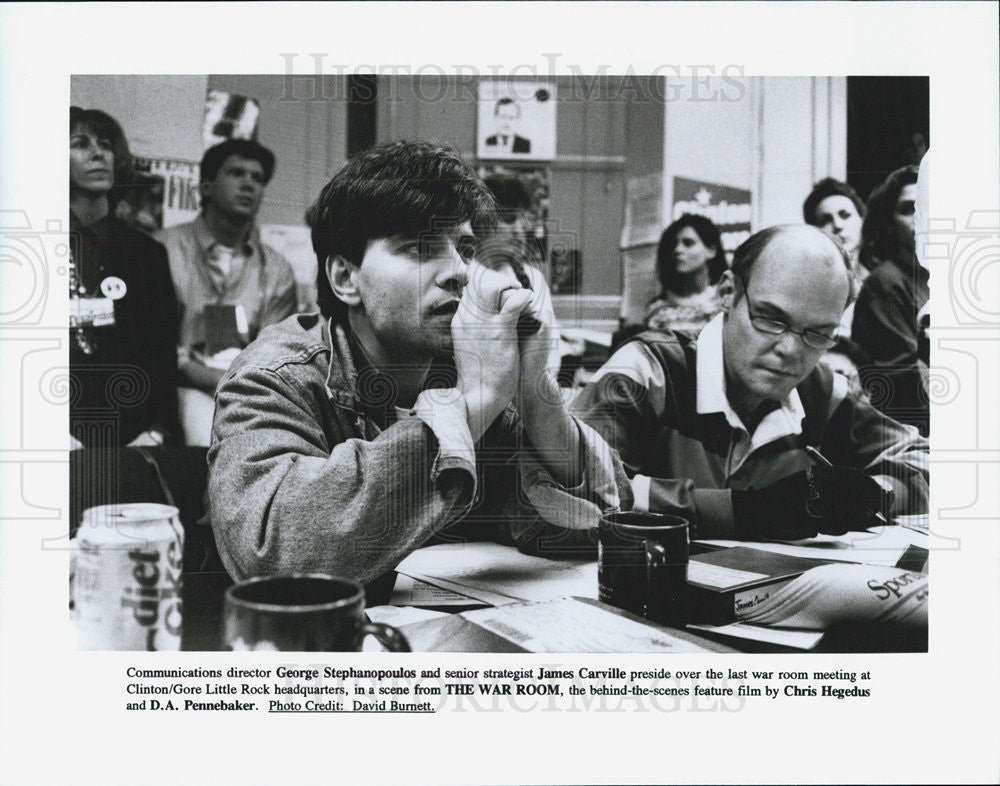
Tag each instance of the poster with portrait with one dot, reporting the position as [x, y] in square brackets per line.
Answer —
[516, 120]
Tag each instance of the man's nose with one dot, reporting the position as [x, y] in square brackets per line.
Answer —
[789, 346]
[454, 272]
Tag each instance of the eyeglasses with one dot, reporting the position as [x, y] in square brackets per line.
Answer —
[775, 327]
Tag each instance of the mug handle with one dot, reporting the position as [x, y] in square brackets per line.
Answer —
[656, 558]
[388, 636]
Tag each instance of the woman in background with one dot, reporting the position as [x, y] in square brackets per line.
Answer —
[887, 313]
[123, 315]
[689, 262]
[836, 208]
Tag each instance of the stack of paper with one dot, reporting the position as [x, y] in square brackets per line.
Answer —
[558, 625]
[877, 546]
[499, 575]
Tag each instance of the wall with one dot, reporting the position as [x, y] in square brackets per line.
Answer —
[586, 178]
[774, 136]
[803, 124]
[303, 123]
[161, 115]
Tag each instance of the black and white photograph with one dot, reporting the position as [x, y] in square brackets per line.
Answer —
[788, 467]
[632, 397]
[516, 120]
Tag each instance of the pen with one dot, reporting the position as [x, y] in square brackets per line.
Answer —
[823, 461]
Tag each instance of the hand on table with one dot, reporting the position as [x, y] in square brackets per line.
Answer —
[831, 500]
[847, 499]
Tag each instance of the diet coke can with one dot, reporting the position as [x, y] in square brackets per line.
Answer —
[126, 578]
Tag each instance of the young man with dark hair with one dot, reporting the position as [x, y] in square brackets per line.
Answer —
[717, 427]
[229, 284]
[344, 440]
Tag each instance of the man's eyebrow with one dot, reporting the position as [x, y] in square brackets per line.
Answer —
[778, 313]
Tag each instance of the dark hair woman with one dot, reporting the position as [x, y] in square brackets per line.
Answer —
[886, 321]
[123, 315]
[689, 262]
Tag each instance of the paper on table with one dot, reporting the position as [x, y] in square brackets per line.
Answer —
[473, 593]
[834, 594]
[799, 639]
[413, 592]
[395, 616]
[401, 615]
[877, 546]
[919, 523]
[482, 570]
[570, 625]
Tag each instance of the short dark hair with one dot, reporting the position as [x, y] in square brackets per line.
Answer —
[709, 234]
[215, 157]
[881, 239]
[828, 187]
[106, 127]
[400, 188]
[510, 194]
[504, 101]
[750, 250]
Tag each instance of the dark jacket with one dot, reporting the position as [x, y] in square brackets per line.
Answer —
[885, 327]
[128, 382]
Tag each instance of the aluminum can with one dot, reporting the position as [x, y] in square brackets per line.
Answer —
[126, 578]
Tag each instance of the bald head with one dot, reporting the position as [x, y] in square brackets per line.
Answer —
[795, 254]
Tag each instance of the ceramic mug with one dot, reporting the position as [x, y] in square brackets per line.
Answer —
[302, 613]
[642, 564]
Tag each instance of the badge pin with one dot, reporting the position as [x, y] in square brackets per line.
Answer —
[113, 287]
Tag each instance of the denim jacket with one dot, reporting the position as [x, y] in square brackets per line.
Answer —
[303, 477]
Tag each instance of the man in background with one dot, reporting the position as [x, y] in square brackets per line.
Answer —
[719, 428]
[229, 284]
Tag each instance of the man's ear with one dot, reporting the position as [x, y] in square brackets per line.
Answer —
[342, 277]
[726, 290]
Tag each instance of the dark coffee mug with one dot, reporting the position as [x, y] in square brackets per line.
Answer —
[302, 613]
[642, 564]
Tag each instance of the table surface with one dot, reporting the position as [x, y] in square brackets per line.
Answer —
[204, 591]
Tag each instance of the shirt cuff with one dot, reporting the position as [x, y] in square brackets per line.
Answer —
[579, 507]
[444, 410]
[640, 490]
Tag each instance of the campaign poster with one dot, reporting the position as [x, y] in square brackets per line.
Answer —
[229, 116]
[516, 120]
[165, 193]
[729, 208]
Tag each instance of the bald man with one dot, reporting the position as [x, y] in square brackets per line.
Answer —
[715, 426]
